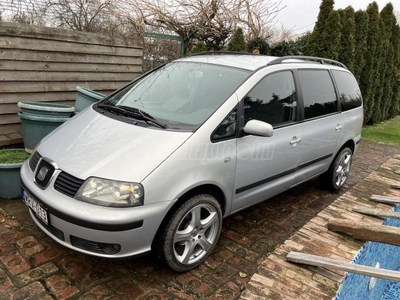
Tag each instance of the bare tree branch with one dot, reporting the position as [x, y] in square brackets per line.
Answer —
[215, 20]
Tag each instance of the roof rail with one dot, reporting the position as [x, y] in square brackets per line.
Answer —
[221, 53]
[320, 60]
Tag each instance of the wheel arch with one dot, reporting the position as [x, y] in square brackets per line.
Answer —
[210, 189]
[350, 143]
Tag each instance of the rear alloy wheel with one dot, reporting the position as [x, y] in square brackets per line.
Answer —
[192, 233]
[340, 169]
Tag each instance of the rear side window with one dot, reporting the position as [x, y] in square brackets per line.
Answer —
[272, 100]
[349, 92]
[318, 93]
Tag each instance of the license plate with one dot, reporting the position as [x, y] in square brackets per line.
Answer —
[36, 207]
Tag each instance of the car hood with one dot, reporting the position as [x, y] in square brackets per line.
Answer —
[91, 144]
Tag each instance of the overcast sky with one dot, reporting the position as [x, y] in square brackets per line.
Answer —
[300, 16]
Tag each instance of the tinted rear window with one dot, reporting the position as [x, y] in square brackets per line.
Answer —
[349, 92]
[318, 93]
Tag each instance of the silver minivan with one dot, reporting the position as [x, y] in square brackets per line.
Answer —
[160, 162]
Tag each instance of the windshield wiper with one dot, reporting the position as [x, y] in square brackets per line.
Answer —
[133, 113]
[114, 109]
[143, 115]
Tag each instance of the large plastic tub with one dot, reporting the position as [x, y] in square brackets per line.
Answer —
[86, 97]
[46, 109]
[35, 128]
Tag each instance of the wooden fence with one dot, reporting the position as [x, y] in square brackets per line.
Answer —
[46, 64]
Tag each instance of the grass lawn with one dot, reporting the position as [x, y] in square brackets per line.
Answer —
[387, 132]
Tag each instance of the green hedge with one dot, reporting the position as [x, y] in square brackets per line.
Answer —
[368, 42]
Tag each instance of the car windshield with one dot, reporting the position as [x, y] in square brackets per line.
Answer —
[179, 95]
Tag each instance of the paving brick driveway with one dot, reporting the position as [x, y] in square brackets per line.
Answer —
[33, 266]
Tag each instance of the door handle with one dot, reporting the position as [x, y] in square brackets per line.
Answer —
[338, 127]
[295, 140]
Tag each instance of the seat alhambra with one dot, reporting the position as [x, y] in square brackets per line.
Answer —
[159, 163]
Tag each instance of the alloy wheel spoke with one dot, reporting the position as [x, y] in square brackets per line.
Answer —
[187, 253]
[339, 177]
[205, 244]
[184, 235]
[209, 221]
[196, 217]
[347, 160]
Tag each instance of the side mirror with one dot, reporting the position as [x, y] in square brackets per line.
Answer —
[256, 127]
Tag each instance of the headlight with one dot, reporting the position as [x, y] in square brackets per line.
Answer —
[111, 193]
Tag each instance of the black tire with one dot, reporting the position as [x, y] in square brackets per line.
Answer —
[186, 241]
[338, 172]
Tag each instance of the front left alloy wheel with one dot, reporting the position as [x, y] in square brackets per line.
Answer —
[191, 233]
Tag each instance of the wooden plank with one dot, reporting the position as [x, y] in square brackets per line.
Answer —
[8, 108]
[11, 42]
[15, 29]
[45, 96]
[46, 64]
[58, 86]
[329, 263]
[48, 56]
[385, 199]
[12, 139]
[376, 212]
[9, 119]
[7, 76]
[367, 232]
[396, 186]
[10, 128]
[13, 65]
[14, 98]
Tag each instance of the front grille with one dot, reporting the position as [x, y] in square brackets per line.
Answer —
[44, 173]
[102, 248]
[34, 160]
[67, 184]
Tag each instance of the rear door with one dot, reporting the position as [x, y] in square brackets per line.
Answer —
[322, 125]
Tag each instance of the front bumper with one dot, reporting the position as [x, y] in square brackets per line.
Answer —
[92, 229]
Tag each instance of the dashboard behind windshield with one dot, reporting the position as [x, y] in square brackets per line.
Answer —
[181, 95]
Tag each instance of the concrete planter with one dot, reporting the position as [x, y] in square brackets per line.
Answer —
[10, 186]
[85, 98]
[35, 128]
[45, 109]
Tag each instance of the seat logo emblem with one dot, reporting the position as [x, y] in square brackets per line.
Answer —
[42, 173]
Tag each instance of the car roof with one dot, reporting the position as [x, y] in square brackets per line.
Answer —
[244, 61]
[253, 62]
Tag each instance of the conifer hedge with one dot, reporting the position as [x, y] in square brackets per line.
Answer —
[237, 43]
[368, 43]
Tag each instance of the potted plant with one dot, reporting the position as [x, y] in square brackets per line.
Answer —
[11, 161]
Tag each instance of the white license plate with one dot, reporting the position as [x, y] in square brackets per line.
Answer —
[37, 208]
